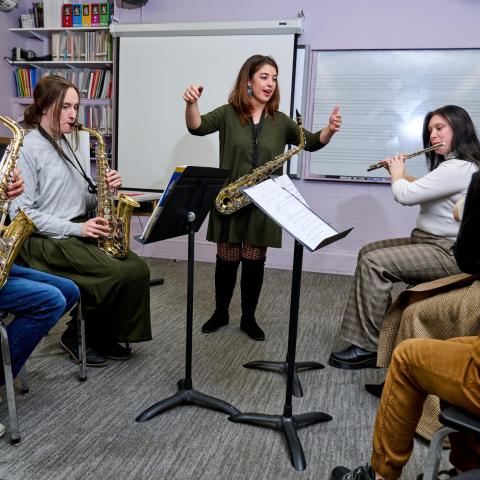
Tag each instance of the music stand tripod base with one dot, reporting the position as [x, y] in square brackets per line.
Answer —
[281, 367]
[288, 425]
[184, 212]
[186, 396]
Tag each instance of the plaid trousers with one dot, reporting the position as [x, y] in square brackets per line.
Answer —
[420, 258]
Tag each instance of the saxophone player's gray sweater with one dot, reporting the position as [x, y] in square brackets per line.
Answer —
[55, 193]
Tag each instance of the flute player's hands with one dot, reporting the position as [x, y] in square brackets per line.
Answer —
[395, 166]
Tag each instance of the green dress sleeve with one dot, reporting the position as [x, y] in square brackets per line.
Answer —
[210, 122]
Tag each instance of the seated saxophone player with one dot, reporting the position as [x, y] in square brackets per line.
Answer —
[36, 299]
[252, 132]
[425, 255]
[58, 196]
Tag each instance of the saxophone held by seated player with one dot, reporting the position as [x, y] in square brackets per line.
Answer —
[117, 243]
[13, 235]
[231, 199]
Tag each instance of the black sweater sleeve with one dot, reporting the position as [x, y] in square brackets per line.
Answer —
[467, 246]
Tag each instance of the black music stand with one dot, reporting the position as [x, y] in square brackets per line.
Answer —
[288, 423]
[185, 210]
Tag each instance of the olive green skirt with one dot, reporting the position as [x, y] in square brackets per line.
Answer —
[115, 292]
[248, 225]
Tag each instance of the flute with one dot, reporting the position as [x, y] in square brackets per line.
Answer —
[381, 164]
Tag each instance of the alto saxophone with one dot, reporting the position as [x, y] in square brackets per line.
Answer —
[13, 235]
[117, 242]
[231, 198]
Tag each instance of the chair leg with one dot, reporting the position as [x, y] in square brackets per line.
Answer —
[24, 380]
[434, 454]
[80, 322]
[7, 368]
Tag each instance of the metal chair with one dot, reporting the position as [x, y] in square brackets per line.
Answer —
[454, 420]
[7, 368]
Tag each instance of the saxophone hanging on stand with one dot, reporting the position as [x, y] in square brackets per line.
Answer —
[13, 235]
[231, 199]
[117, 243]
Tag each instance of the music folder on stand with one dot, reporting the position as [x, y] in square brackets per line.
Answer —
[184, 211]
[295, 217]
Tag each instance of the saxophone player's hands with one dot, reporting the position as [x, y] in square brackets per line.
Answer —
[95, 228]
[15, 185]
[113, 179]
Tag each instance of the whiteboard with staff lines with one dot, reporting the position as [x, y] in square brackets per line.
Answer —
[384, 96]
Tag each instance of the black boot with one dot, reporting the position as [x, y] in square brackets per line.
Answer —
[225, 280]
[251, 284]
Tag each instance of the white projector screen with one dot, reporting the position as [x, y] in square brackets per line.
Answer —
[154, 71]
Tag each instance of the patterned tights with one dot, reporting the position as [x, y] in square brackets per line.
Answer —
[235, 251]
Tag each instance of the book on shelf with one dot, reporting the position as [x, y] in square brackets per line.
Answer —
[177, 173]
[280, 200]
[104, 14]
[92, 83]
[86, 15]
[38, 14]
[77, 15]
[53, 13]
[95, 15]
[81, 46]
[67, 15]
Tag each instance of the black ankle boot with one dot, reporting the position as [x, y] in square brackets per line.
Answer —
[251, 328]
[251, 284]
[225, 280]
[215, 322]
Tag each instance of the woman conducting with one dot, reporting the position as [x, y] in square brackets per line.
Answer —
[252, 132]
[425, 255]
[58, 196]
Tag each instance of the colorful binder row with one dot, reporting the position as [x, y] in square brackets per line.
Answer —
[86, 14]
[92, 83]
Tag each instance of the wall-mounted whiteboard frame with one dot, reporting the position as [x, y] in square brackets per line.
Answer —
[300, 102]
[156, 62]
[384, 96]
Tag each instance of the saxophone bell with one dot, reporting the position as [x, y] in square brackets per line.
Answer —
[117, 242]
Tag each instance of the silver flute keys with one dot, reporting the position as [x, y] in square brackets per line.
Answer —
[381, 164]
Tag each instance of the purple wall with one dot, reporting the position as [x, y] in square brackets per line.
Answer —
[342, 24]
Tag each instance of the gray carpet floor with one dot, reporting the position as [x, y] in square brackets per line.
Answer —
[72, 430]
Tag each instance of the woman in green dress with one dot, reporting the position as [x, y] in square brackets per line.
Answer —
[252, 132]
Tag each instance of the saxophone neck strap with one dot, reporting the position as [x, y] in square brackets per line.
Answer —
[256, 129]
[92, 188]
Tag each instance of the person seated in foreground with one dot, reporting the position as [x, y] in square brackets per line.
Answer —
[449, 369]
[37, 299]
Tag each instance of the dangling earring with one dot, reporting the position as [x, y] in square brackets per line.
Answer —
[249, 90]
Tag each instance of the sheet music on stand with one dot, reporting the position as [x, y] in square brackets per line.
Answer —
[282, 202]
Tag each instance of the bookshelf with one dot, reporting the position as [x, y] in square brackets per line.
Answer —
[93, 77]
